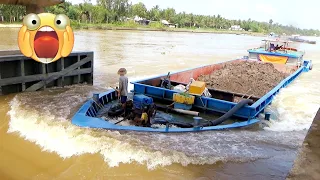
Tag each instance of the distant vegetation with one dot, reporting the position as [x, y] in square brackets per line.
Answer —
[116, 12]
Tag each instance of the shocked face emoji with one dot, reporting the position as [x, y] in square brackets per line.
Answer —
[46, 37]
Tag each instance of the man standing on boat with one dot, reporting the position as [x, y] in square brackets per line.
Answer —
[123, 86]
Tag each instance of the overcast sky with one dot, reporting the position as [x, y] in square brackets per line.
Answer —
[303, 14]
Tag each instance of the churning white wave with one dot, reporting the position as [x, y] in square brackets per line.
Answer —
[44, 118]
[294, 108]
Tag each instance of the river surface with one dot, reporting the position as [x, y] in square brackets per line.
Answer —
[38, 141]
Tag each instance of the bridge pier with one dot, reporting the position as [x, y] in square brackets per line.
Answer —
[22, 74]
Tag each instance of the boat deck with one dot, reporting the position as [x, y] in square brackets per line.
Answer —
[222, 101]
[88, 114]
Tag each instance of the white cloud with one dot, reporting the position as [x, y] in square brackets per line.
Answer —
[264, 8]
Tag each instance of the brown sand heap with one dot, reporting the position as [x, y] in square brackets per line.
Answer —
[247, 77]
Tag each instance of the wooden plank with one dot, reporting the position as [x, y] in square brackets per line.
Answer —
[91, 78]
[39, 77]
[22, 74]
[61, 67]
[10, 53]
[59, 74]
[13, 56]
[45, 73]
[79, 76]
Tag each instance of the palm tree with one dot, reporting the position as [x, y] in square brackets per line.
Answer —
[270, 21]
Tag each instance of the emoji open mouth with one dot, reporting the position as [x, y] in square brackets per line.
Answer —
[46, 43]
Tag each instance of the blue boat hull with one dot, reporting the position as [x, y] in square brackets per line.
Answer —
[87, 114]
[86, 117]
[293, 54]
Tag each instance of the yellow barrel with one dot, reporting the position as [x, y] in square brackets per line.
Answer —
[183, 98]
[197, 87]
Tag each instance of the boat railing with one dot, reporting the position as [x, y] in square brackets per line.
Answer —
[98, 102]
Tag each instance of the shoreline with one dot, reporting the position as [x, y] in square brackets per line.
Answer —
[184, 30]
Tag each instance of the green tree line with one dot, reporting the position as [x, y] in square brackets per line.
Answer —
[118, 11]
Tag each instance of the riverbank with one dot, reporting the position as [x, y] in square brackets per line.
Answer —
[161, 28]
[117, 27]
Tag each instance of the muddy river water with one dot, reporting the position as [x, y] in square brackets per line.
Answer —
[38, 141]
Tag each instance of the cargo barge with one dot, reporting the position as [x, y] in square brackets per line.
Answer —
[243, 106]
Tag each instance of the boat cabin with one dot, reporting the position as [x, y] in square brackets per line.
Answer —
[277, 45]
[277, 51]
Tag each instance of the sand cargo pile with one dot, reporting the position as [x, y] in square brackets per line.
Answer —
[245, 77]
[228, 83]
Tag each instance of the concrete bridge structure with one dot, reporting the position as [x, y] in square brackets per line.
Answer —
[21, 74]
[307, 164]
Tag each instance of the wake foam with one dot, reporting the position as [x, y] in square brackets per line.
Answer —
[294, 108]
[44, 118]
[67, 140]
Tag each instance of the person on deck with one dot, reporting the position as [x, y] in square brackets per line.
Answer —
[272, 47]
[144, 119]
[123, 86]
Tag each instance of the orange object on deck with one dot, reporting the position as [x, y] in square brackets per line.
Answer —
[273, 59]
[197, 87]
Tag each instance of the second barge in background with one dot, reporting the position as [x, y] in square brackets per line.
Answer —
[296, 38]
[277, 51]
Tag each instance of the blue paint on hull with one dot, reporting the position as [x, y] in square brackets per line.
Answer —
[87, 114]
[290, 54]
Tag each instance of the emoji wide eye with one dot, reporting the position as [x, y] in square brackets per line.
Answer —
[61, 21]
[32, 21]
